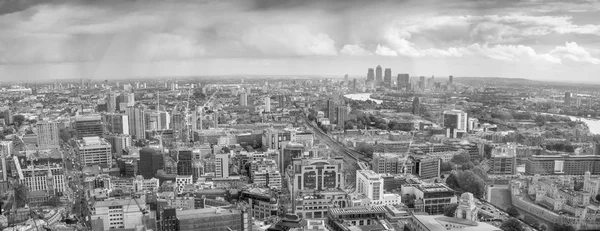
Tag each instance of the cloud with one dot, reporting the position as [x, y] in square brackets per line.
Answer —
[165, 46]
[573, 52]
[354, 50]
[283, 40]
[385, 51]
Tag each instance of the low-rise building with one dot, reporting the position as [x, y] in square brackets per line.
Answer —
[428, 198]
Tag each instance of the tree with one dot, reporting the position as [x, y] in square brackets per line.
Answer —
[64, 135]
[467, 181]
[460, 158]
[54, 201]
[478, 170]
[447, 166]
[598, 197]
[452, 181]
[467, 166]
[366, 149]
[18, 120]
[512, 224]
[531, 221]
[450, 210]
[513, 211]
[21, 192]
[311, 117]
[225, 150]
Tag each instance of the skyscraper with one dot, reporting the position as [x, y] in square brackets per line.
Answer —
[342, 116]
[450, 79]
[184, 162]
[378, 74]
[151, 160]
[371, 74]
[415, 106]
[403, 81]
[244, 99]
[137, 122]
[568, 98]
[89, 126]
[331, 110]
[48, 137]
[116, 123]
[111, 102]
[387, 79]
[267, 104]
[222, 165]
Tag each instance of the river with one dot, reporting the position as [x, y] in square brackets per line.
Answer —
[363, 97]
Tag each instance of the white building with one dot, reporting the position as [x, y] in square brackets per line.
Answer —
[94, 151]
[119, 213]
[48, 135]
[141, 184]
[36, 178]
[182, 181]
[455, 121]
[222, 165]
[267, 104]
[370, 184]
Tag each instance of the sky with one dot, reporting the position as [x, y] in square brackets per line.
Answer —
[109, 39]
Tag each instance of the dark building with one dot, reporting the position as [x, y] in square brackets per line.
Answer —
[89, 126]
[289, 152]
[331, 113]
[451, 80]
[354, 85]
[184, 162]
[415, 106]
[370, 75]
[151, 160]
[403, 81]
[426, 166]
[387, 78]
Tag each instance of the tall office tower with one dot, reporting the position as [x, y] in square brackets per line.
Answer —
[342, 116]
[370, 184]
[81, 83]
[290, 151]
[243, 99]
[111, 102]
[450, 79]
[370, 74]
[378, 74]
[116, 123]
[153, 120]
[455, 121]
[137, 122]
[331, 110]
[151, 160]
[8, 117]
[568, 96]
[387, 78]
[267, 104]
[165, 120]
[403, 81]
[178, 121]
[354, 85]
[48, 135]
[89, 126]
[119, 142]
[422, 83]
[94, 151]
[125, 100]
[184, 162]
[346, 83]
[416, 106]
[222, 165]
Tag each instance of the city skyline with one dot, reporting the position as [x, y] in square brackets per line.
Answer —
[553, 40]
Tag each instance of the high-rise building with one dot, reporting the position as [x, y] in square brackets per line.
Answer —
[354, 85]
[288, 153]
[416, 106]
[89, 126]
[48, 135]
[111, 102]
[422, 83]
[455, 121]
[426, 166]
[244, 99]
[370, 74]
[137, 122]
[331, 110]
[116, 123]
[119, 143]
[568, 96]
[267, 104]
[222, 165]
[151, 160]
[342, 116]
[403, 81]
[378, 74]
[450, 79]
[370, 184]
[387, 78]
[431, 198]
[184, 162]
[94, 151]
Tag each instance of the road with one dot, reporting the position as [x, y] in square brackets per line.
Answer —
[78, 204]
[350, 156]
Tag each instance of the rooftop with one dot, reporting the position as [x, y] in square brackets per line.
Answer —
[357, 210]
[206, 212]
[440, 222]
[436, 187]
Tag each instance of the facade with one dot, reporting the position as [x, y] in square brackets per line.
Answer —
[316, 174]
[182, 181]
[316, 206]
[145, 185]
[387, 78]
[137, 122]
[378, 74]
[151, 160]
[388, 163]
[426, 166]
[562, 164]
[184, 162]
[331, 110]
[504, 160]
[48, 135]
[273, 138]
[244, 99]
[119, 143]
[370, 74]
[428, 198]
[403, 81]
[342, 116]
[370, 184]
[222, 165]
[119, 214]
[213, 219]
[267, 104]
[89, 126]
[263, 202]
[38, 178]
[94, 151]
[455, 121]
[290, 151]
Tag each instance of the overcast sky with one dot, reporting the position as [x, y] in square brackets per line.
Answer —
[104, 39]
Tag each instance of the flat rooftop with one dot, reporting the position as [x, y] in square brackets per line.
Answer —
[206, 212]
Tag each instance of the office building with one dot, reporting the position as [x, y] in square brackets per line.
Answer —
[111, 102]
[504, 160]
[428, 198]
[48, 135]
[450, 80]
[316, 174]
[264, 202]
[181, 181]
[273, 138]
[94, 151]
[564, 164]
[455, 121]
[378, 74]
[222, 165]
[568, 97]
[124, 214]
[331, 110]
[370, 74]
[46, 178]
[209, 219]
[342, 116]
[137, 122]
[119, 143]
[290, 151]
[244, 99]
[403, 81]
[184, 162]
[89, 126]
[389, 163]
[416, 106]
[426, 166]
[267, 101]
[151, 160]
[387, 78]
[370, 184]
[116, 123]
[363, 216]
